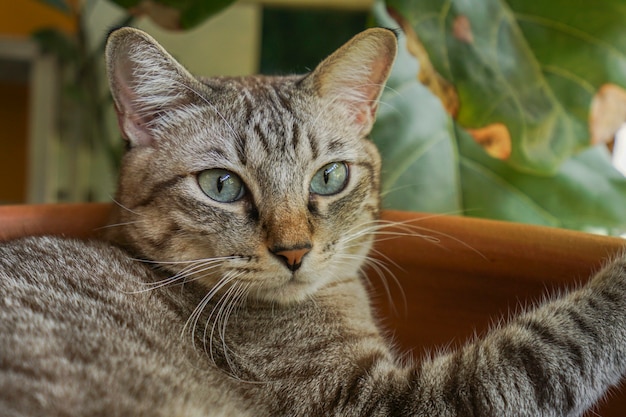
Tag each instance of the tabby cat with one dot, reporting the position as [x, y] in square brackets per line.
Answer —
[229, 280]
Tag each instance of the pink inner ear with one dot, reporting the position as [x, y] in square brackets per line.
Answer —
[355, 74]
[131, 123]
[365, 108]
[133, 129]
[366, 114]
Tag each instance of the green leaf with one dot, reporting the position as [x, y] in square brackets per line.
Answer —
[420, 168]
[57, 42]
[532, 65]
[430, 163]
[199, 11]
[190, 13]
[416, 140]
[126, 4]
[586, 193]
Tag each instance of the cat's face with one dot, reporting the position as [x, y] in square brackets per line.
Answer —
[267, 184]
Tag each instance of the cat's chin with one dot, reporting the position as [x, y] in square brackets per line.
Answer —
[288, 294]
[292, 291]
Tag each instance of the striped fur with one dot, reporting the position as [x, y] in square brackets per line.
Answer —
[212, 322]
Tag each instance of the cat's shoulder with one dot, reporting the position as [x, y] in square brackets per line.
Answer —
[38, 244]
[50, 259]
[55, 251]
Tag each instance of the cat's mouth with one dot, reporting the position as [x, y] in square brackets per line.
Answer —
[285, 276]
[300, 277]
[283, 284]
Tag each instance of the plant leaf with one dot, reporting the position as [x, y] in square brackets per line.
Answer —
[126, 4]
[199, 11]
[455, 174]
[57, 42]
[532, 66]
[416, 140]
[586, 193]
[420, 170]
[175, 14]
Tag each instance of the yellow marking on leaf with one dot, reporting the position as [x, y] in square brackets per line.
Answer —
[495, 140]
[462, 29]
[607, 113]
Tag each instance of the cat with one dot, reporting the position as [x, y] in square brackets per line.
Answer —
[228, 282]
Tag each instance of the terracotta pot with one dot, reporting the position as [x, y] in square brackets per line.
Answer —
[433, 293]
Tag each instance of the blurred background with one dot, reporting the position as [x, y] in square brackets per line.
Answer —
[502, 109]
[59, 141]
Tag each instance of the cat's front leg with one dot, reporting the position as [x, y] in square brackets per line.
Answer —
[556, 360]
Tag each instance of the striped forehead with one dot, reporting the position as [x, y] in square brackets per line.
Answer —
[276, 121]
[258, 123]
[273, 124]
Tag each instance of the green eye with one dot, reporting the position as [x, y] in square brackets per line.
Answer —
[331, 179]
[221, 185]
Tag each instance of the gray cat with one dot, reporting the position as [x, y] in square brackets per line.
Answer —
[230, 284]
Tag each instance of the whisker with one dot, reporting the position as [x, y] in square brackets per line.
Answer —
[227, 305]
[411, 229]
[186, 274]
[385, 258]
[150, 261]
[108, 226]
[383, 272]
[383, 230]
[219, 312]
[200, 267]
[192, 321]
[119, 204]
[451, 237]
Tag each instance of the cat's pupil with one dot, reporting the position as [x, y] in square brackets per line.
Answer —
[220, 182]
[328, 171]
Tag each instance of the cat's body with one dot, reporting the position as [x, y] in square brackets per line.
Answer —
[76, 338]
[253, 203]
[280, 361]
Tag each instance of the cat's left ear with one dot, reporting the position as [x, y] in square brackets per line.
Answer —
[356, 73]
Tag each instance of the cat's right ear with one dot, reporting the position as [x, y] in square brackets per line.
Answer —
[148, 85]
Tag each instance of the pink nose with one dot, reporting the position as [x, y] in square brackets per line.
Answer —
[292, 257]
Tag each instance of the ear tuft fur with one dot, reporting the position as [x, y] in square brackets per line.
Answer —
[146, 83]
[356, 73]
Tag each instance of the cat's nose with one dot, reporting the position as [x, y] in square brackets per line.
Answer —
[292, 257]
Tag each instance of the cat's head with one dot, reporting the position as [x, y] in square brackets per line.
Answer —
[269, 183]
